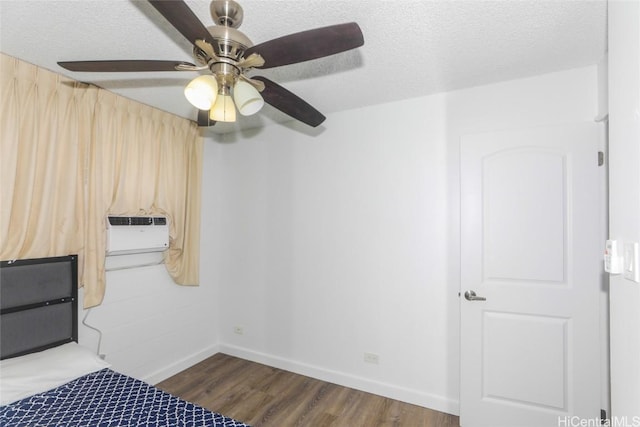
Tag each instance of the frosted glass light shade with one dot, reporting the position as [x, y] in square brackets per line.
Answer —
[248, 99]
[201, 92]
[223, 109]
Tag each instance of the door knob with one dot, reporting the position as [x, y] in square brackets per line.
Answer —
[471, 296]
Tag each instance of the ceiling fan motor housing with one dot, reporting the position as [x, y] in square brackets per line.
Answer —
[227, 13]
[230, 43]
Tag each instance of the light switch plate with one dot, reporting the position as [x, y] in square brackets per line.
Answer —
[630, 261]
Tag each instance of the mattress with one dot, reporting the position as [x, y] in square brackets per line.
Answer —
[70, 386]
[108, 398]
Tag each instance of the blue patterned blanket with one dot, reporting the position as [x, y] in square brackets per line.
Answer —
[107, 398]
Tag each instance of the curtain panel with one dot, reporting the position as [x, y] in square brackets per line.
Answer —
[71, 154]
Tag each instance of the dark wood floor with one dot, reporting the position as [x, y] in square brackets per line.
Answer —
[264, 396]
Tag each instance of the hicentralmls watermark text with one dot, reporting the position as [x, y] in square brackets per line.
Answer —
[575, 421]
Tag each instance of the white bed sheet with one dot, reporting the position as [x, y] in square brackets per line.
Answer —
[34, 373]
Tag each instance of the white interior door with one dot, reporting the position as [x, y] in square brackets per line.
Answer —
[532, 246]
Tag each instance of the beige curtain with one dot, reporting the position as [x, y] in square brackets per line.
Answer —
[72, 153]
[45, 126]
[144, 161]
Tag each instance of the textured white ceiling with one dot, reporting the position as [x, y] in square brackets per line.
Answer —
[412, 48]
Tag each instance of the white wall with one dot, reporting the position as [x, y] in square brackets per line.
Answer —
[624, 204]
[342, 241]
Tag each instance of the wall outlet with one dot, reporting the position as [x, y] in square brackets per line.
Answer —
[239, 330]
[371, 358]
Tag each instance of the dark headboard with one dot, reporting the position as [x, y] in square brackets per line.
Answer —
[38, 304]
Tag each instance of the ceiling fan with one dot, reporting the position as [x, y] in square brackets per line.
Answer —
[229, 55]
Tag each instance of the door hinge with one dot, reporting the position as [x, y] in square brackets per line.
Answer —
[603, 417]
[600, 158]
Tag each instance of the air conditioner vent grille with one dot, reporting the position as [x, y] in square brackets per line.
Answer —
[119, 220]
[160, 220]
[137, 220]
[141, 220]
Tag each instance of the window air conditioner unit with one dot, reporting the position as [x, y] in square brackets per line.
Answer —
[137, 234]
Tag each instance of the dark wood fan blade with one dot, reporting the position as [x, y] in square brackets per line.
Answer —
[183, 19]
[124, 66]
[289, 103]
[308, 45]
[204, 120]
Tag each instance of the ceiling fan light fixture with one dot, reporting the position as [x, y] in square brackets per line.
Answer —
[223, 109]
[201, 92]
[248, 99]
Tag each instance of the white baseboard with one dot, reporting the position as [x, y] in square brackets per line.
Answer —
[181, 365]
[414, 397]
